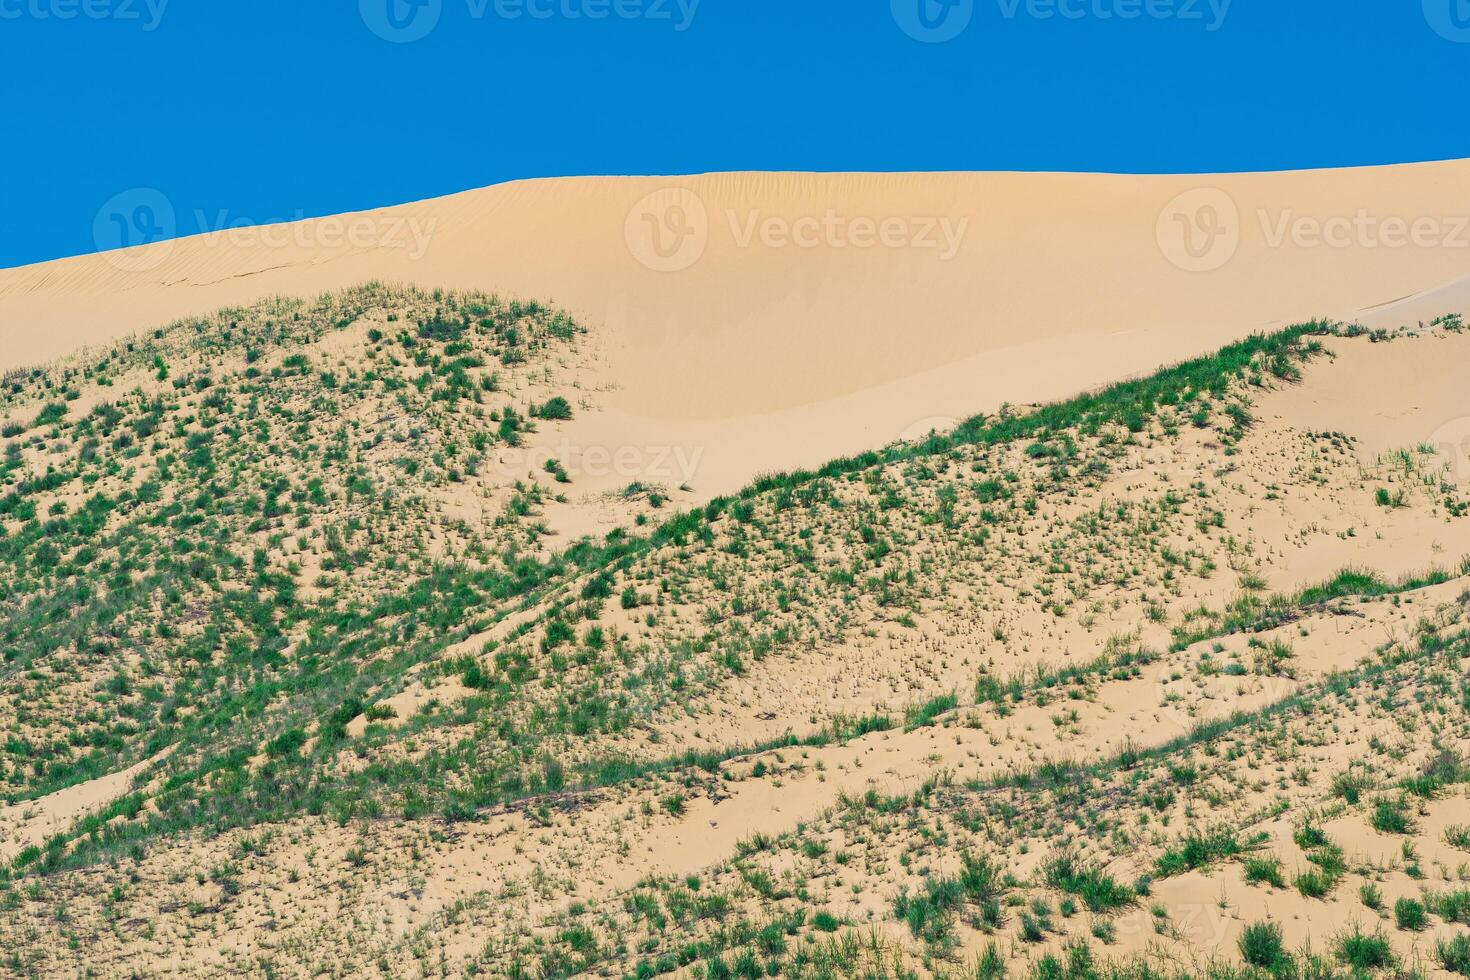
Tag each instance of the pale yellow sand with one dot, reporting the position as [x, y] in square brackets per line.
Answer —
[974, 264]
[781, 319]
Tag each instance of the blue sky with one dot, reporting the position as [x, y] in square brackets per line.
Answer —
[263, 110]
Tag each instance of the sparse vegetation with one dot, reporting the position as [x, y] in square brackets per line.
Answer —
[1261, 945]
[297, 565]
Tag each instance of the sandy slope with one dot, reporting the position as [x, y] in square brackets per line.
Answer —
[32, 822]
[782, 291]
[1292, 508]
[1388, 398]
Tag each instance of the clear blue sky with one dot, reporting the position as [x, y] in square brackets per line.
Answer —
[271, 109]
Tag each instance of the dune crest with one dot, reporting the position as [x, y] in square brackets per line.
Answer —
[741, 294]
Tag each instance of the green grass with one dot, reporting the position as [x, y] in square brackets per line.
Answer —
[1409, 914]
[354, 650]
[1314, 883]
[924, 715]
[1249, 613]
[1454, 954]
[1452, 906]
[1363, 952]
[1391, 816]
[1261, 945]
[929, 914]
[1200, 849]
[1263, 870]
[1099, 891]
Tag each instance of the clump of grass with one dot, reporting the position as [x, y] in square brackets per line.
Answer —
[1454, 954]
[1363, 952]
[1261, 945]
[1458, 835]
[923, 715]
[1202, 848]
[1312, 883]
[1409, 914]
[1330, 865]
[1079, 964]
[1391, 816]
[1309, 836]
[991, 965]
[556, 408]
[1350, 786]
[981, 878]
[1384, 498]
[930, 913]
[1264, 870]
[844, 728]
[1099, 891]
[1453, 906]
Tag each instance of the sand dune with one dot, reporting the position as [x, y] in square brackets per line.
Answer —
[754, 322]
[770, 292]
[824, 698]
